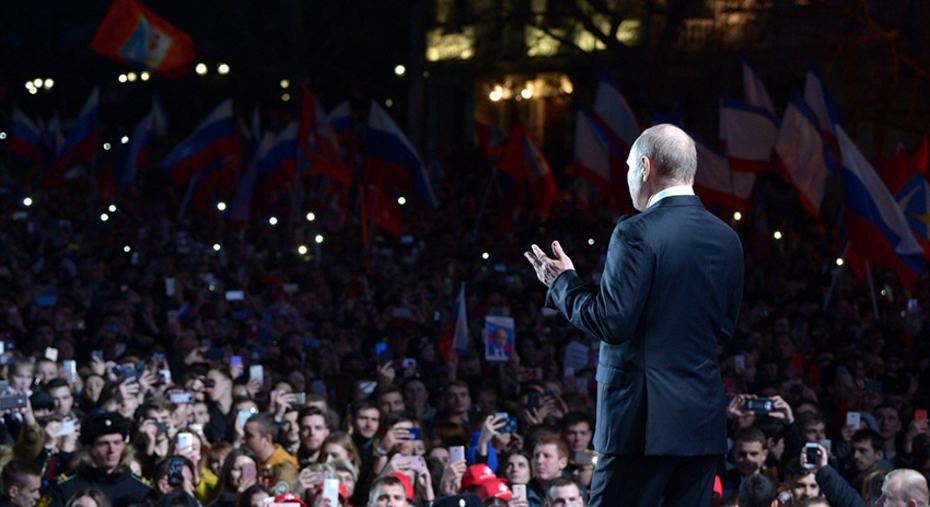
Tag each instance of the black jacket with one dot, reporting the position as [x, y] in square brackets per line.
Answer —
[669, 294]
[123, 488]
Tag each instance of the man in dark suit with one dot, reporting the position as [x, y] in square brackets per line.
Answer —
[669, 294]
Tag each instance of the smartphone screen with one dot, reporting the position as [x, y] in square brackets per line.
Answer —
[257, 372]
[248, 472]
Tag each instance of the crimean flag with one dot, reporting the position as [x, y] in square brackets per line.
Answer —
[747, 135]
[754, 88]
[212, 140]
[318, 153]
[81, 142]
[389, 156]
[876, 226]
[523, 160]
[25, 137]
[455, 332]
[803, 155]
[592, 159]
[816, 96]
[133, 35]
[716, 183]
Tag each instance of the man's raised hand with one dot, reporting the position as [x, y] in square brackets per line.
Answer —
[548, 269]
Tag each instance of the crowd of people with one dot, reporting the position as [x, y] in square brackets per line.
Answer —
[149, 360]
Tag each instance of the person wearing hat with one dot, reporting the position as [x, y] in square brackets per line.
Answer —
[103, 466]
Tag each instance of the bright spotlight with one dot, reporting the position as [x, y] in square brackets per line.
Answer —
[485, 256]
[389, 102]
[104, 217]
[37, 82]
[400, 70]
[27, 201]
[401, 200]
[221, 206]
[591, 241]
[737, 216]
[127, 249]
[106, 146]
[273, 220]
[285, 97]
[839, 261]
[49, 83]
[302, 250]
[777, 235]
[201, 69]
[145, 75]
[124, 139]
[285, 83]
[216, 247]
[131, 77]
[223, 69]
[311, 216]
[318, 238]
[2, 135]
[112, 208]
[122, 78]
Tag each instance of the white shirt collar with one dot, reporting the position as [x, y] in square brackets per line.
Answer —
[668, 192]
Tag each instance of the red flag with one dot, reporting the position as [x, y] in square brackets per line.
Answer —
[316, 140]
[523, 160]
[133, 35]
[384, 211]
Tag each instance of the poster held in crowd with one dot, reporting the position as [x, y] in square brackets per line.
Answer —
[498, 338]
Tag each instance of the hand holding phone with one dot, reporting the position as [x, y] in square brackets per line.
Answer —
[456, 453]
[811, 455]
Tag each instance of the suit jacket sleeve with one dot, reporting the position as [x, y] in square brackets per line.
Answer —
[837, 490]
[612, 311]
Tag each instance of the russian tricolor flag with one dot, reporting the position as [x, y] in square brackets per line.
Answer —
[82, 140]
[132, 156]
[278, 165]
[747, 135]
[593, 156]
[455, 333]
[25, 137]
[241, 209]
[390, 156]
[212, 140]
[803, 155]
[876, 226]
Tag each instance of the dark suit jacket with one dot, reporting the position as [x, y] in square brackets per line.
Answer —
[670, 292]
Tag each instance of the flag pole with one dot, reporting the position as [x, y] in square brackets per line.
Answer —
[836, 274]
[473, 236]
[868, 272]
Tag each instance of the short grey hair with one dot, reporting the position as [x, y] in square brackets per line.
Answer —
[671, 150]
[912, 485]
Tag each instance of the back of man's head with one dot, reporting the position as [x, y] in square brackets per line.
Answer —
[16, 473]
[265, 424]
[906, 485]
[672, 151]
[756, 491]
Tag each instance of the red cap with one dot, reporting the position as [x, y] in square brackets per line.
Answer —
[408, 486]
[342, 490]
[495, 488]
[289, 497]
[718, 486]
[476, 475]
